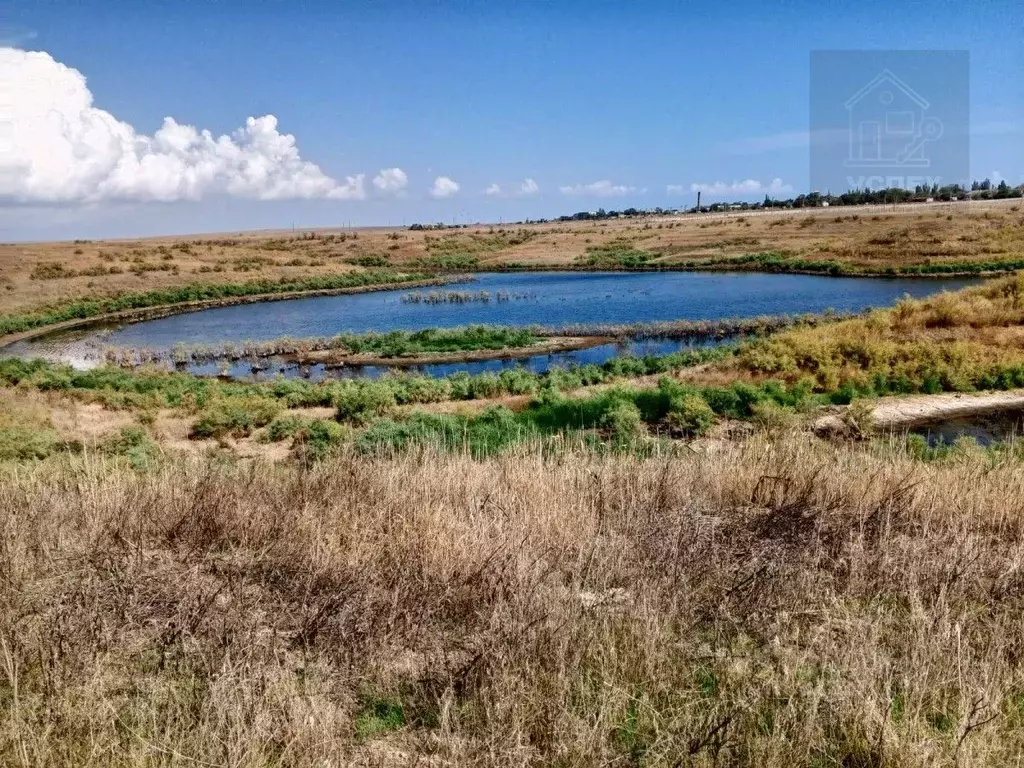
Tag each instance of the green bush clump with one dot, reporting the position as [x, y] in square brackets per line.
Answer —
[319, 439]
[773, 261]
[20, 442]
[690, 415]
[369, 261]
[284, 426]
[618, 254]
[451, 262]
[470, 338]
[359, 402]
[235, 417]
[377, 717]
[419, 389]
[961, 267]
[624, 423]
[134, 443]
[918, 447]
[480, 436]
[772, 417]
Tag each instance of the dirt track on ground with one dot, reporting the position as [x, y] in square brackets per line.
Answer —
[900, 412]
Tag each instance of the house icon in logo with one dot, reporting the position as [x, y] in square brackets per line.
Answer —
[890, 126]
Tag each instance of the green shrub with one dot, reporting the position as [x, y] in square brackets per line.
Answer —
[319, 439]
[235, 417]
[419, 389]
[377, 717]
[479, 436]
[23, 442]
[690, 414]
[134, 443]
[284, 426]
[772, 417]
[360, 402]
[623, 423]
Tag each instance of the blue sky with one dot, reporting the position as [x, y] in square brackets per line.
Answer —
[599, 103]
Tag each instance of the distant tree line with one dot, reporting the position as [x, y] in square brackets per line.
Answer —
[980, 190]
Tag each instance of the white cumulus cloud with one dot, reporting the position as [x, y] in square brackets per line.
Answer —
[58, 148]
[391, 180]
[443, 187]
[603, 188]
[528, 187]
[675, 189]
[746, 187]
[493, 190]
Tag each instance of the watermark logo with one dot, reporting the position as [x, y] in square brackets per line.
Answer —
[888, 119]
[890, 125]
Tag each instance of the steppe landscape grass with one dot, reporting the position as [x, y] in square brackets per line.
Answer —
[777, 601]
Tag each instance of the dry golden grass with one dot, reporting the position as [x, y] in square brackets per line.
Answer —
[786, 603]
[871, 238]
[954, 336]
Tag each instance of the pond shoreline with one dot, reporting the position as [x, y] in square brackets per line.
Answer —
[446, 277]
[169, 310]
[646, 313]
[502, 269]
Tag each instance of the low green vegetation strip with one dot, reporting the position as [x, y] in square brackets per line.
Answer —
[624, 257]
[151, 389]
[391, 344]
[618, 254]
[84, 309]
[784, 263]
[619, 418]
[366, 413]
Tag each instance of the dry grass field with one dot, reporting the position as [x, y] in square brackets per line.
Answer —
[872, 239]
[775, 602]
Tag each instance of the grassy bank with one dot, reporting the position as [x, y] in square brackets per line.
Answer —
[197, 292]
[788, 263]
[958, 342]
[970, 339]
[932, 239]
[117, 387]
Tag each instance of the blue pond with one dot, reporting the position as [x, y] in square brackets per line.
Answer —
[549, 299]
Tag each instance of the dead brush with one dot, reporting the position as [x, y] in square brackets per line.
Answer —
[778, 602]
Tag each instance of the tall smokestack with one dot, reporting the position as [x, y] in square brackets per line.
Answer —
[698, 201]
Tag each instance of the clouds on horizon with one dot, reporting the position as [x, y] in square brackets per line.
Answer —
[745, 187]
[443, 187]
[391, 181]
[603, 188]
[528, 187]
[58, 149]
